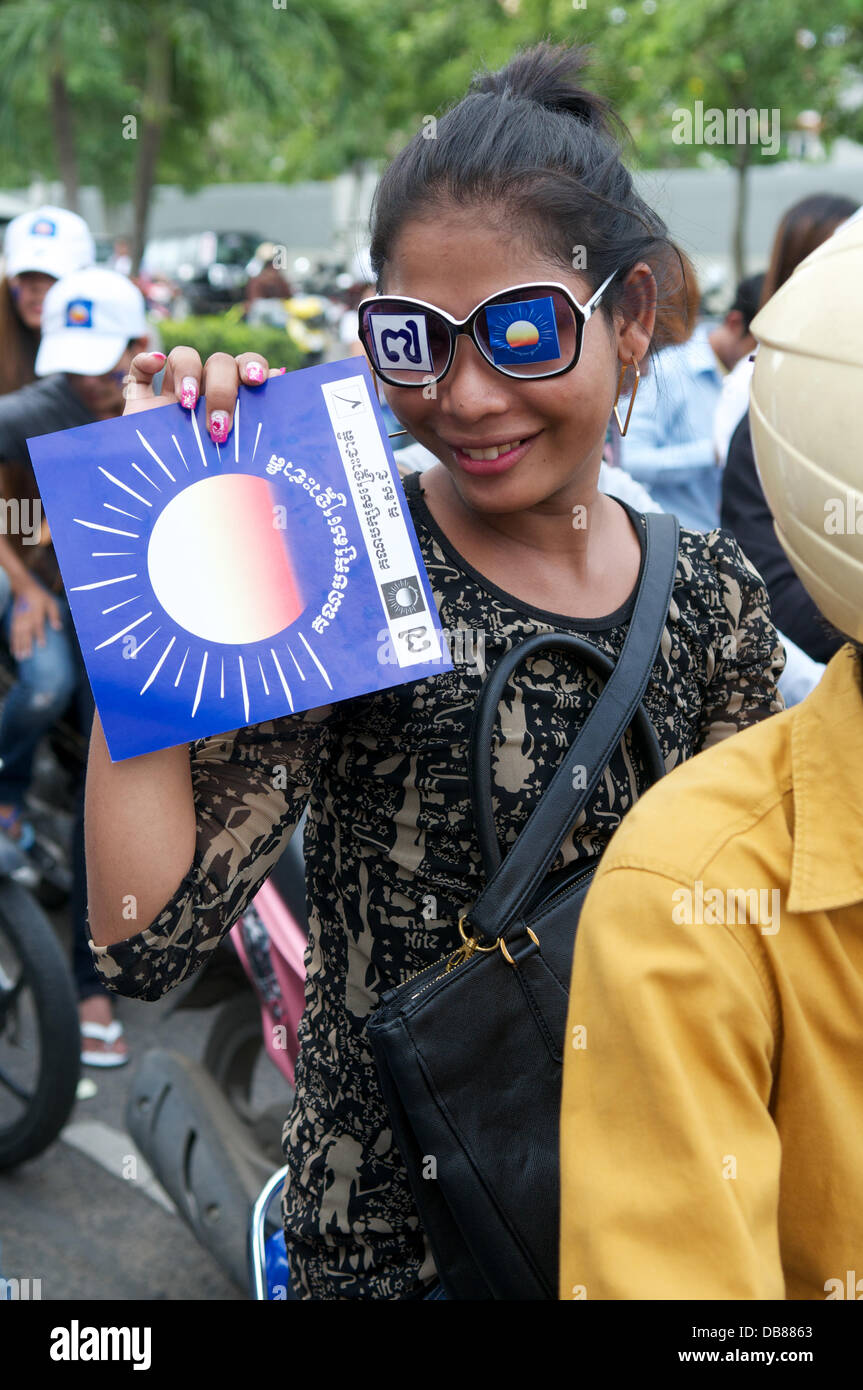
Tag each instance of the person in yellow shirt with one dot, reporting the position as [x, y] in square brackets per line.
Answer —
[712, 1102]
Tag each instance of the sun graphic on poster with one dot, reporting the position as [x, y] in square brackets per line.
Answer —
[203, 578]
[215, 587]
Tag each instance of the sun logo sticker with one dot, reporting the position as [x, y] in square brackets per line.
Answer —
[403, 597]
[522, 332]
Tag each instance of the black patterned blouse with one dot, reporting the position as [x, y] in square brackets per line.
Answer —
[392, 857]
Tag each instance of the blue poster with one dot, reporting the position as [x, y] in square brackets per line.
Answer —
[217, 586]
[523, 332]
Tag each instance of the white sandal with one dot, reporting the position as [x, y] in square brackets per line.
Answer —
[108, 1034]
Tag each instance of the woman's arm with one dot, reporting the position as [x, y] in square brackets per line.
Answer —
[151, 821]
[179, 841]
[139, 835]
[33, 605]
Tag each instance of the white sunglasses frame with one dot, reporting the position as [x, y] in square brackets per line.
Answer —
[466, 326]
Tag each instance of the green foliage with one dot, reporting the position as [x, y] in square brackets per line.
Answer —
[41, 36]
[263, 90]
[214, 333]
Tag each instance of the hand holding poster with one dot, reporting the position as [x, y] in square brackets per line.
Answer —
[217, 586]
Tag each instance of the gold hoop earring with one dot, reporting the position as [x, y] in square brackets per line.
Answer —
[624, 427]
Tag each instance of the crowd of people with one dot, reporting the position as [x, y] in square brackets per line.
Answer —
[686, 1057]
[68, 332]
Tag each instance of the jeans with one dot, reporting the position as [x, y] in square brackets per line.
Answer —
[47, 681]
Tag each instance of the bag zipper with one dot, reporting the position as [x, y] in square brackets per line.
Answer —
[469, 945]
[448, 963]
[458, 957]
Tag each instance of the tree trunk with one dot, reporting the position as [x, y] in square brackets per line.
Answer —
[740, 211]
[356, 223]
[62, 121]
[155, 111]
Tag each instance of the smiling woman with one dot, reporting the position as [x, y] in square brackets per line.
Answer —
[478, 231]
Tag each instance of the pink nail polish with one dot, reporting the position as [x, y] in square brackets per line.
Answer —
[255, 373]
[160, 355]
[219, 426]
[282, 371]
[188, 392]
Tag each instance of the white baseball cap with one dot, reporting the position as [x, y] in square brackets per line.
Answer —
[87, 320]
[50, 240]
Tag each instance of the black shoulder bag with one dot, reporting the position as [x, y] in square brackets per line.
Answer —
[470, 1051]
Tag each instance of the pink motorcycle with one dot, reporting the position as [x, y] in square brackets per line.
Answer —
[210, 1145]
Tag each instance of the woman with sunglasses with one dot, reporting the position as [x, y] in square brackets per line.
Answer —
[501, 357]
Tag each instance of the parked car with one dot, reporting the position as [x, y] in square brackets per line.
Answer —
[207, 268]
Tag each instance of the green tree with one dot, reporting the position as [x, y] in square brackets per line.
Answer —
[137, 92]
[60, 86]
[660, 57]
[214, 90]
[654, 59]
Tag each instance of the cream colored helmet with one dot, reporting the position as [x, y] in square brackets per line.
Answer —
[806, 416]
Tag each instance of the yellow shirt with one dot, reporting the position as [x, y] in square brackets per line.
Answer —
[712, 1107]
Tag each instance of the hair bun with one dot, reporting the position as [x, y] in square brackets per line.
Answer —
[549, 75]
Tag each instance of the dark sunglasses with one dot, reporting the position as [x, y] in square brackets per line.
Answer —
[527, 331]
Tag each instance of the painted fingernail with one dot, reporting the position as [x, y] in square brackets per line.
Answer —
[188, 392]
[255, 373]
[282, 371]
[160, 356]
[219, 426]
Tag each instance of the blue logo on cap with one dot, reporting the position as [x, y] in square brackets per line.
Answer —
[43, 226]
[79, 313]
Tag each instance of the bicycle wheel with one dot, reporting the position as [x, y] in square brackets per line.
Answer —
[40, 1039]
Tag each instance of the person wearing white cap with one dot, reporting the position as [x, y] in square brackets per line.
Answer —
[40, 247]
[93, 323]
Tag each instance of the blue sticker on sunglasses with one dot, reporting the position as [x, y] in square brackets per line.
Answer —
[401, 341]
[522, 332]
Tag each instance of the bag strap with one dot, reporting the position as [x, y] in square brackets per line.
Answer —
[485, 718]
[514, 880]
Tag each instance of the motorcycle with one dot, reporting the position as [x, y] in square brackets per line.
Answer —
[196, 1123]
[40, 1042]
[51, 801]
